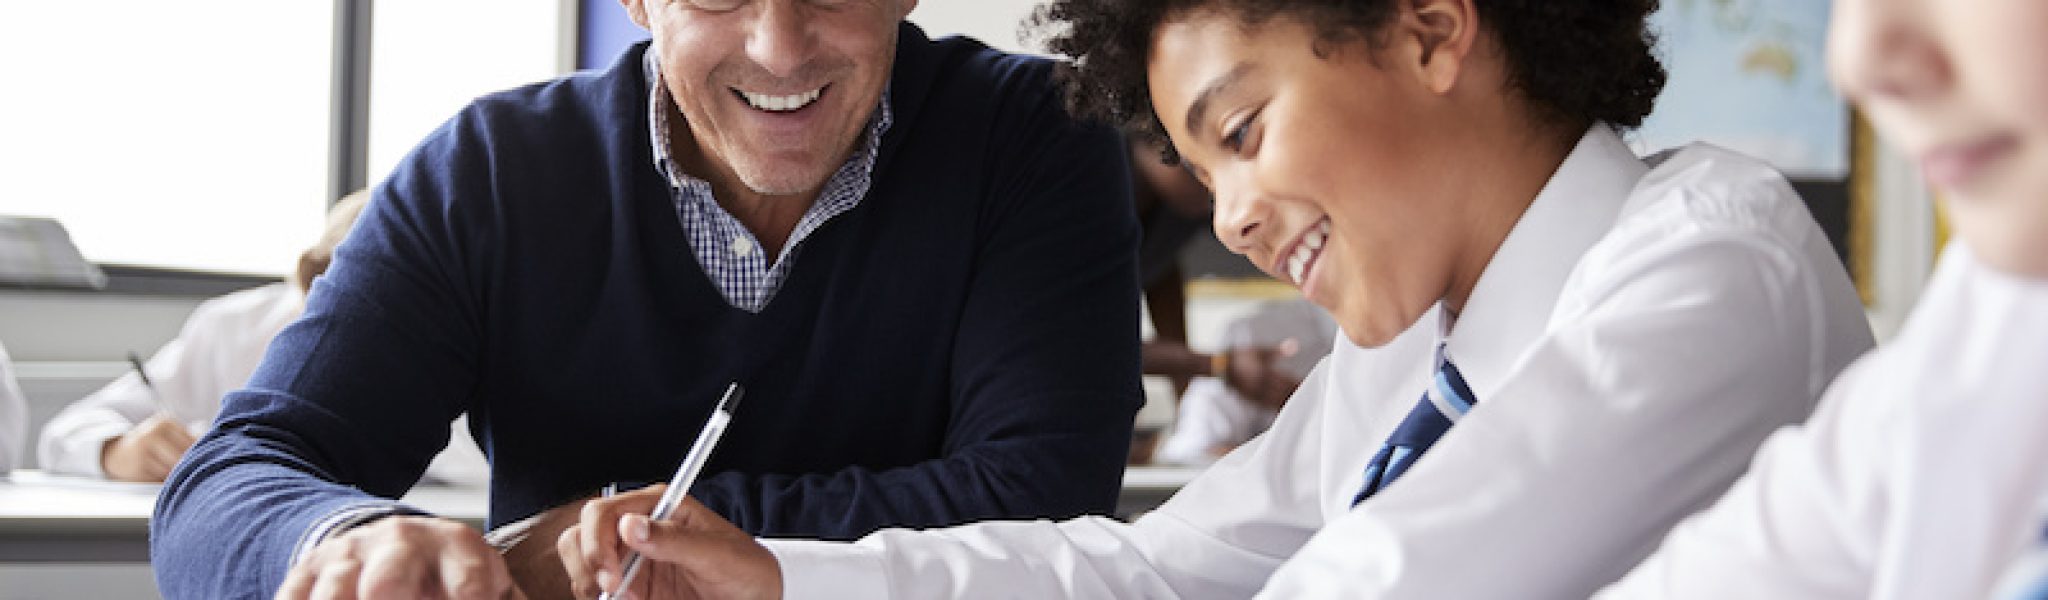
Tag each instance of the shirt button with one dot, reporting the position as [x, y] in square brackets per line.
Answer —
[742, 247]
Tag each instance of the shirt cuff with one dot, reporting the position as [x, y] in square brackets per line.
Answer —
[83, 451]
[820, 569]
[346, 518]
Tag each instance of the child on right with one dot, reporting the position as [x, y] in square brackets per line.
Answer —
[1923, 472]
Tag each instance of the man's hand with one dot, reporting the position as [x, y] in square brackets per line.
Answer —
[402, 557]
[530, 554]
[147, 452]
[692, 554]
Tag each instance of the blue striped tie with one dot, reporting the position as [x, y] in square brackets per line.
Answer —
[2027, 578]
[1447, 399]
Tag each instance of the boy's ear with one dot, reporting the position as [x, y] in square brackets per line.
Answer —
[1434, 39]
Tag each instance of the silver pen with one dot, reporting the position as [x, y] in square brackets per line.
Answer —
[686, 474]
[155, 397]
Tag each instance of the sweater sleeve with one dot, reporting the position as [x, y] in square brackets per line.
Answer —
[336, 420]
[1044, 366]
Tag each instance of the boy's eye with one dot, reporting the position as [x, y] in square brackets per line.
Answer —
[1234, 137]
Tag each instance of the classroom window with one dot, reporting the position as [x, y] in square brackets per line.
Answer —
[429, 59]
[196, 135]
[191, 135]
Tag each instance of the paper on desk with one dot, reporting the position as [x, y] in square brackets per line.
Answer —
[32, 477]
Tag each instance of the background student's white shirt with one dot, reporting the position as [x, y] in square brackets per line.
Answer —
[1630, 343]
[1212, 415]
[13, 416]
[1920, 476]
[221, 344]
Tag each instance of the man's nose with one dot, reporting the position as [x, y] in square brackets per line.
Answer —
[781, 40]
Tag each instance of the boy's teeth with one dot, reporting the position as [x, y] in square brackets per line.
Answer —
[1311, 242]
[781, 103]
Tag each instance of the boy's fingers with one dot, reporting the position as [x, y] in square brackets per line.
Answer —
[582, 574]
[672, 540]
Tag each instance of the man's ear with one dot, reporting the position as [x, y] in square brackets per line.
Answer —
[1436, 37]
[637, 9]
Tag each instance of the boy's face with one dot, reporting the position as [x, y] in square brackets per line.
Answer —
[1324, 171]
[1962, 87]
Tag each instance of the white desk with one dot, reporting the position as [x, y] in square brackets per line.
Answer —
[56, 519]
[1145, 488]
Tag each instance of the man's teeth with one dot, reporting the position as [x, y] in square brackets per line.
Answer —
[781, 103]
[1311, 243]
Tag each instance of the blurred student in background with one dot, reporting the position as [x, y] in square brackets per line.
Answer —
[1922, 474]
[13, 416]
[136, 431]
[1173, 210]
[1214, 417]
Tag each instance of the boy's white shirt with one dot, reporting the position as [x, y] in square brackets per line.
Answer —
[1920, 476]
[1632, 341]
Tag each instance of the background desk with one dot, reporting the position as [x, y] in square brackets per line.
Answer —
[54, 519]
[68, 537]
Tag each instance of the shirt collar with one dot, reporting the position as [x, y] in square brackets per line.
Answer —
[1510, 306]
[658, 101]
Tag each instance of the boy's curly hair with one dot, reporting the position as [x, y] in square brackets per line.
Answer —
[1576, 62]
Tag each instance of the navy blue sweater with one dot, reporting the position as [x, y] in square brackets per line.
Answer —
[960, 346]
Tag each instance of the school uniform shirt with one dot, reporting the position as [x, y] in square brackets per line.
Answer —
[215, 352]
[1919, 477]
[13, 416]
[2026, 578]
[216, 349]
[1635, 337]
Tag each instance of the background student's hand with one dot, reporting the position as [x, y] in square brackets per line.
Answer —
[402, 557]
[1255, 373]
[693, 554]
[147, 452]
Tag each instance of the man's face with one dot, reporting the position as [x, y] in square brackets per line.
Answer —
[775, 92]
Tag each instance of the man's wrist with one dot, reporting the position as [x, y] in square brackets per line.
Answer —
[340, 521]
